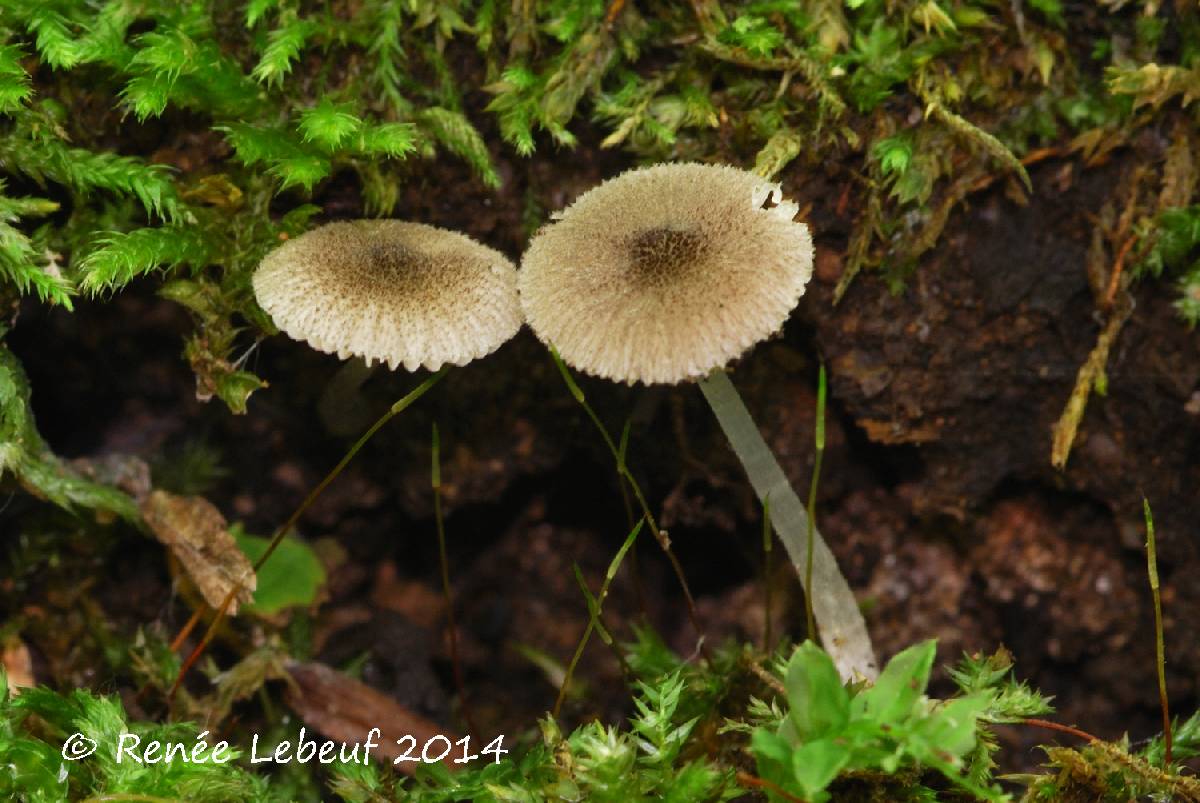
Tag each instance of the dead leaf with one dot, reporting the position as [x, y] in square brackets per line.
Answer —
[124, 472]
[197, 534]
[345, 710]
[18, 664]
[892, 432]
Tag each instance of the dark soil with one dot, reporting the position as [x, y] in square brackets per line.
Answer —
[937, 494]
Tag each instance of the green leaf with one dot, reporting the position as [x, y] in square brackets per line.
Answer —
[84, 171]
[302, 170]
[123, 256]
[388, 139]
[816, 764]
[820, 705]
[893, 154]
[234, 388]
[291, 578]
[283, 47]
[15, 88]
[52, 37]
[257, 9]
[22, 262]
[454, 131]
[1051, 9]
[329, 124]
[951, 728]
[899, 687]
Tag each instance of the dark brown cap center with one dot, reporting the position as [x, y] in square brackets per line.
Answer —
[661, 255]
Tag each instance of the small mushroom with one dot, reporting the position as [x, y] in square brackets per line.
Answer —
[667, 273]
[387, 291]
[391, 291]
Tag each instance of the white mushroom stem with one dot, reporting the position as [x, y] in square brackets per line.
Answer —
[839, 620]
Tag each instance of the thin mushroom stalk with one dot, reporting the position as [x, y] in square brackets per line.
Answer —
[841, 624]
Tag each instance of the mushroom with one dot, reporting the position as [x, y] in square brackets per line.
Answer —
[666, 274]
[391, 291]
[385, 291]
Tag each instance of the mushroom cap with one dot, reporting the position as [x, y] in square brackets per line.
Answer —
[391, 291]
[666, 272]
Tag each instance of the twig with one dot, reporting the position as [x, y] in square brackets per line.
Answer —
[1031, 158]
[819, 439]
[1068, 423]
[1114, 276]
[767, 678]
[455, 663]
[615, 7]
[1054, 726]
[746, 779]
[1160, 654]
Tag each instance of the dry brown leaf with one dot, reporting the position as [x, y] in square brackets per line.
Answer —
[344, 709]
[124, 472]
[196, 533]
[18, 664]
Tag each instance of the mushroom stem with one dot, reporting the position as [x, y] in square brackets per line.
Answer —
[843, 630]
[342, 408]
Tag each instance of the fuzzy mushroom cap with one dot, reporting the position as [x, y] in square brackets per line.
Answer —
[664, 273]
[391, 291]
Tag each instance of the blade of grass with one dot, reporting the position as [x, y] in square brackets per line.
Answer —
[819, 453]
[594, 607]
[1160, 652]
[623, 472]
[455, 663]
[634, 569]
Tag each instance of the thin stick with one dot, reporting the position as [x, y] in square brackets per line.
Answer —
[639, 587]
[614, 10]
[456, 665]
[835, 609]
[754, 782]
[812, 503]
[1068, 423]
[1114, 280]
[660, 535]
[767, 544]
[1054, 726]
[397, 408]
[766, 677]
[594, 607]
[1160, 653]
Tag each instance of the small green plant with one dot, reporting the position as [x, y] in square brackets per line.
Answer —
[39, 727]
[652, 759]
[1175, 250]
[890, 727]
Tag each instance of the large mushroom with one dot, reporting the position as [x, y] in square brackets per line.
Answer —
[386, 291]
[666, 274]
